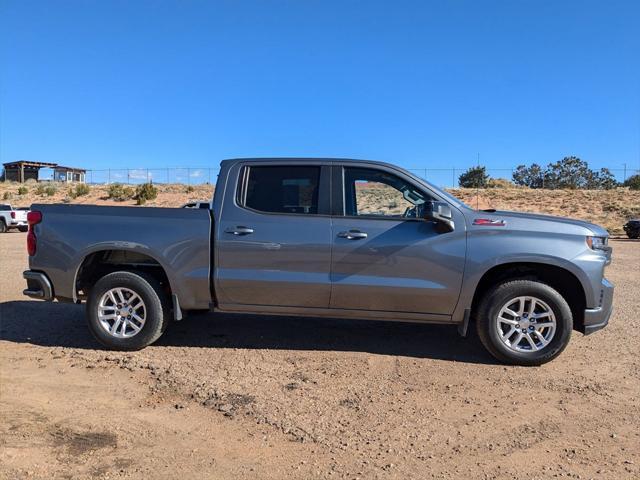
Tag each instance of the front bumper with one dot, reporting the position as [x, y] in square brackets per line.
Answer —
[597, 318]
[38, 285]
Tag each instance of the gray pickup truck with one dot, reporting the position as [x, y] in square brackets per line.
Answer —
[326, 238]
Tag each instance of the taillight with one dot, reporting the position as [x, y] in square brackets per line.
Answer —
[33, 218]
[13, 214]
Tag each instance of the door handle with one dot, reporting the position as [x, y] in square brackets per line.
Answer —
[239, 230]
[352, 235]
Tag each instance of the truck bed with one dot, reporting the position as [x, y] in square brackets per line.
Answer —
[177, 239]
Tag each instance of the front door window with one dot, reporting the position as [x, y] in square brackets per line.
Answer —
[376, 193]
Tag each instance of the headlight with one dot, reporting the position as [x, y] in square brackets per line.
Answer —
[598, 243]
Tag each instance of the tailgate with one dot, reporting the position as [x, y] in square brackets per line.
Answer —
[20, 215]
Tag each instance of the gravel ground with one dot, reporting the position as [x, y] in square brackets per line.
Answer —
[280, 397]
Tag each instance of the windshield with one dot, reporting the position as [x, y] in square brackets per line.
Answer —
[455, 200]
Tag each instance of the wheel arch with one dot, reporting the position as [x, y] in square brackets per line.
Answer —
[102, 261]
[557, 277]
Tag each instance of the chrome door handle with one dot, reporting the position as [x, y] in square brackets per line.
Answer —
[239, 230]
[352, 235]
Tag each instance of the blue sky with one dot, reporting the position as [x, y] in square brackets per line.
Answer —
[108, 84]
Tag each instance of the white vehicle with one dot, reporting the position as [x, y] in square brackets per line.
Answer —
[197, 204]
[10, 218]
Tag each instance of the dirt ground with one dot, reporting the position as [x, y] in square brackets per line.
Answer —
[272, 397]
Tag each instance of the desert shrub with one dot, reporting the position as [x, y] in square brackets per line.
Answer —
[633, 182]
[82, 189]
[7, 196]
[23, 190]
[46, 189]
[79, 190]
[119, 192]
[189, 189]
[499, 183]
[145, 192]
[475, 177]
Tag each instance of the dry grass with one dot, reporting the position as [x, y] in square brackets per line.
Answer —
[609, 208]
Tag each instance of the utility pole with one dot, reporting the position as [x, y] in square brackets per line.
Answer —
[624, 175]
[478, 187]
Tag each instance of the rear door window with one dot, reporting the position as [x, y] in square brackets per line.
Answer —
[281, 189]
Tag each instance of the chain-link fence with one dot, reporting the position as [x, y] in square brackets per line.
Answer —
[442, 177]
[186, 175]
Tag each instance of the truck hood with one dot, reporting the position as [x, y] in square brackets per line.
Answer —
[542, 222]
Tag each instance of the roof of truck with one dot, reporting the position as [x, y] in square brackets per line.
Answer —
[299, 159]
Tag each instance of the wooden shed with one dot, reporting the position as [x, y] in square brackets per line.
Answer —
[24, 170]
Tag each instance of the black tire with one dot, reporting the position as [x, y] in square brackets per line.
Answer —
[496, 298]
[23, 229]
[3, 226]
[633, 235]
[158, 310]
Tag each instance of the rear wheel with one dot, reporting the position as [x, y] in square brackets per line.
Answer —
[524, 322]
[127, 310]
[23, 228]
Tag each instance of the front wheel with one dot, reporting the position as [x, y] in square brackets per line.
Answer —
[127, 310]
[3, 226]
[524, 322]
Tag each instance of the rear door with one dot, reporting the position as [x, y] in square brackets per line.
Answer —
[386, 259]
[273, 238]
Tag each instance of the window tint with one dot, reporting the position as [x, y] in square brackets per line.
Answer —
[282, 189]
[5, 207]
[373, 192]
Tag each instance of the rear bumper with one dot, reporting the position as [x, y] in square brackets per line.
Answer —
[38, 285]
[597, 318]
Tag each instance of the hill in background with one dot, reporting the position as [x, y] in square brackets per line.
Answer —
[609, 208]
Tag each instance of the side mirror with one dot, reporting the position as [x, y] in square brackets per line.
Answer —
[440, 213]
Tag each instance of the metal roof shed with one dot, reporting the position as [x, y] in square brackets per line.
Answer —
[69, 174]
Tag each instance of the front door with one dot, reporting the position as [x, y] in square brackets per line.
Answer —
[384, 257]
[273, 239]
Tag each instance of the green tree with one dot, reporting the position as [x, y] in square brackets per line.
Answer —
[532, 177]
[602, 180]
[570, 172]
[633, 182]
[475, 177]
